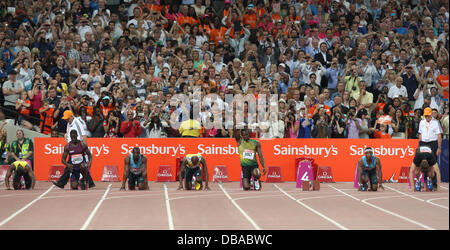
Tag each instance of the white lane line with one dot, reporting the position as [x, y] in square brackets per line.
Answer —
[26, 206]
[91, 216]
[427, 201]
[239, 208]
[443, 187]
[257, 197]
[311, 209]
[439, 205]
[405, 194]
[169, 212]
[384, 210]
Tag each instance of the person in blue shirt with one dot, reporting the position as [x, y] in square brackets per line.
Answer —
[369, 170]
[135, 170]
[306, 124]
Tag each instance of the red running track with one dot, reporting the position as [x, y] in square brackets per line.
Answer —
[276, 207]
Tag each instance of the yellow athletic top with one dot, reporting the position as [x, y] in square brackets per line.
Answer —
[22, 164]
[189, 157]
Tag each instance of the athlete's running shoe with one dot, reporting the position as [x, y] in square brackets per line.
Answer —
[418, 185]
[257, 185]
[56, 184]
[429, 184]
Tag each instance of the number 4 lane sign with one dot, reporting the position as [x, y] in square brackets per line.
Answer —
[304, 173]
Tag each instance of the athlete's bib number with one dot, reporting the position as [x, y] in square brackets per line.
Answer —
[248, 154]
[77, 159]
[425, 150]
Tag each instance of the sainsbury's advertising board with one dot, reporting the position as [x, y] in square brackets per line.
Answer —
[340, 154]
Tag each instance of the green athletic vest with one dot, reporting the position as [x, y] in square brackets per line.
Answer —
[247, 153]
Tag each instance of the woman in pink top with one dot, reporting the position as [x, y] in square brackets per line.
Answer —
[292, 126]
[36, 95]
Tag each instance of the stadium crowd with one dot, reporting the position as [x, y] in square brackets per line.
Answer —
[340, 69]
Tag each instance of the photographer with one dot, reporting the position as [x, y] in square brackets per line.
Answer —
[321, 128]
[337, 124]
[111, 124]
[95, 125]
[291, 124]
[353, 124]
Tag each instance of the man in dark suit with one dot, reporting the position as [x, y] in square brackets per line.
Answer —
[323, 56]
[271, 55]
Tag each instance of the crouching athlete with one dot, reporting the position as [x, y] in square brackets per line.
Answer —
[20, 169]
[191, 166]
[424, 162]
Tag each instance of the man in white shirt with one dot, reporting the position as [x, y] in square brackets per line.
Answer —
[430, 132]
[430, 135]
[75, 123]
[11, 91]
[398, 90]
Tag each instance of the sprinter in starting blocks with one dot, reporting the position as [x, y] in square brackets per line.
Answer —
[135, 170]
[424, 161]
[191, 166]
[369, 170]
[248, 149]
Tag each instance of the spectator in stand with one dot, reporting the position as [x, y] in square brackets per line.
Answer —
[23, 105]
[11, 91]
[47, 113]
[130, 127]
[282, 48]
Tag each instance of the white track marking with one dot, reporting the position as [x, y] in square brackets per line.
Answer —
[239, 208]
[25, 207]
[169, 212]
[257, 197]
[91, 216]
[384, 210]
[311, 209]
[443, 198]
[427, 201]
[443, 187]
[405, 194]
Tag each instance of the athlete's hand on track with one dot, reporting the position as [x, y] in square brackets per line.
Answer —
[180, 188]
[207, 188]
[381, 187]
[122, 188]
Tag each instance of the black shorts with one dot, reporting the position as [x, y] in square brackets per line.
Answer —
[424, 156]
[76, 171]
[190, 172]
[247, 171]
[135, 179]
[371, 175]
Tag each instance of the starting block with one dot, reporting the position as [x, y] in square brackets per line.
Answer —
[304, 173]
[324, 174]
[220, 174]
[164, 174]
[311, 185]
[56, 171]
[274, 174]
[110, 174]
